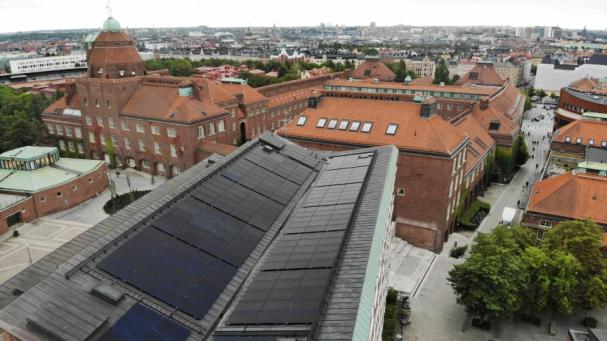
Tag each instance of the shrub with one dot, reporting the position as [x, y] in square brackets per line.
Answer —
[458, 251]
[465, 220]
[121, 201]
[390, 317]
[589, 322]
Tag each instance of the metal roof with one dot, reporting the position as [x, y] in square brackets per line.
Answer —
[27, 153]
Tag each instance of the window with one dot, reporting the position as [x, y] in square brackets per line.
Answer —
[460, 107]
[321, 122]
[59, 194]
[42, 199]
[97, 101]
[59, 130]
[439, 106]
[90, 180]
[366, 127]
[80, 148]
[171, 132]
[176, 170]
[391, 129]
[89, 121]
[400, 192]
[578, 140]
[156, 130]
[114, 140]
[221, 126]
[591, 142]
[68, 131]
[160, 167]
[332, 124]
[127, 143]
[109, 104]
[302, 120]
[142, 145]
[354, 126]
[343, 125]
[449, 106]
[124, 125]
[200, 131]
[139, 128]
[51, 128]
[78, 132]
[91, 137]
[603, 143]
[111, 123]
[145, 163]
[70, 146]
[540, 236]
[173, 150]
[211, 128]
[74, 188]
[157, 148]
[545, 223]
[100, 121]
[567, 139]
[102, 139]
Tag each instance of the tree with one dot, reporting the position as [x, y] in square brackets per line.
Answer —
[441, 73]
[582, 239]
[181, 67]
[541, 94]
[520, 152]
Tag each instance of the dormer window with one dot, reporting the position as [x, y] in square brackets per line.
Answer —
[302, 120]
[591, 142]
[603, 144]
[321, 122]
[578, 140]
[568, 139]
[391, 129]
[343, 125]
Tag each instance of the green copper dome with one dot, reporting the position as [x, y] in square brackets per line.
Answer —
[111, 25]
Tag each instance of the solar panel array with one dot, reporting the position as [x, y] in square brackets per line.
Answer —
[296, 274]
[142, 323]
[193, 249]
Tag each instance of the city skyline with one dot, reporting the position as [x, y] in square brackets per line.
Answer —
[67, 14]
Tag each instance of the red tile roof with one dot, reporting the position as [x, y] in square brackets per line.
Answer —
[217, 148]
[420, 87]
[480, 142]
[572, 196]
[585, 129]
[105, 53]
[371, 69]
[413, 132]
[249, 95]
[506, 108]
[592, 85]
[482, 74]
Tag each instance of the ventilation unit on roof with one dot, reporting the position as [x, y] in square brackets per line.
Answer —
[268, 148]
[107, 293]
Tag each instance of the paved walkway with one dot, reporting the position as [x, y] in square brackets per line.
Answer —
[36, 240]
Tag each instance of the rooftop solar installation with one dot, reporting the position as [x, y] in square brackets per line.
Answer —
[191, 279]
[293, 281]
[142, 323]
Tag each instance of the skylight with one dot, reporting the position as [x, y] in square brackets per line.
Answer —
[391, 129]
[343, 125]
[332, 124]
[367, 127]
[302, 120]
[354, 126]
[321, 122]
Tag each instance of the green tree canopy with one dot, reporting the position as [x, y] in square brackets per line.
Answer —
[441, 73]
[181, 67]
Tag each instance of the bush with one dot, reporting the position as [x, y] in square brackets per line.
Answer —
[465, 220]
[458, 251]
[589, 322]
[390, 317]
[121, 201]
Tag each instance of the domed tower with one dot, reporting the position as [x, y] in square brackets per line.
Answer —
[113, 54]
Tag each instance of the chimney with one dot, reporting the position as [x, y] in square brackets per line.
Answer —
[484, 104]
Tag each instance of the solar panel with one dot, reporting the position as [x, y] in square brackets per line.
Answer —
[342, 176]
[210, 230]
[280, 165]
[283, 297]
[333, 195]
[350, 161]
[170, 270]
[319, 218]
[143, 323]
[304, 251]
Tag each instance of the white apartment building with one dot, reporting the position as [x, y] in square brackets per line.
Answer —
[57, 63]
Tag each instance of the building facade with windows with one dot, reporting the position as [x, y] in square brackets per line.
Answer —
[36, 181]
[582, 96]
[47, 64]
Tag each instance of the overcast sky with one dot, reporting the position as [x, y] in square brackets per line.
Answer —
[27, 15]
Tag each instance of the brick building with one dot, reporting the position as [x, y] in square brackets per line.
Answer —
[157, 123]
[584, 95]
[575, 138]
[36, 181]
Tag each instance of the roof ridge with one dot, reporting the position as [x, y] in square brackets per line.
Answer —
[439, 136]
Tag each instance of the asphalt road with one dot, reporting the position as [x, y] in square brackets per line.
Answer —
[517, 191]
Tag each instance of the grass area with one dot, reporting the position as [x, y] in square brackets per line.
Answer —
[390, 315]
[121, 201]
[465, 220]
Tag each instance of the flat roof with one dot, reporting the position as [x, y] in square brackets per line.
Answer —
[27, 153]
[217, 222]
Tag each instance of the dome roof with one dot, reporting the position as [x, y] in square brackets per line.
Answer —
[111, 25]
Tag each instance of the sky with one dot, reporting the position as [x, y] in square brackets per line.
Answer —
[28, 15]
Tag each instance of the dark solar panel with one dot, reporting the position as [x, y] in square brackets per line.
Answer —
[213, 231]
[273, 140]
[350, 161]
[283, 297]
[304, 251]
[342, 176]
[279, 164]
[333, 195]
[143, 323]
[170, 270]
[319, 218]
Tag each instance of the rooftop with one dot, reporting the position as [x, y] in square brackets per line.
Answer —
[590, 132]
[27, 153]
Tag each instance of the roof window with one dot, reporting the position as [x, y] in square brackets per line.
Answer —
[354, 126]
[302, 120]
[343, 125]
[391, 129]
[367, 127]
[567, 138]
[321, 122]
[332, 124]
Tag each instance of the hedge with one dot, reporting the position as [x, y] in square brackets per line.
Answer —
[465, 219]
[390, 318]
[121, 201]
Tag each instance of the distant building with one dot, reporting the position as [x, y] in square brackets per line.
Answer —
[422, 68]
[582, 96]
[46, 64]
[552, 77]
[190, 259]
[510, 71]
[373, 68]
[36, 181]
[283, 56]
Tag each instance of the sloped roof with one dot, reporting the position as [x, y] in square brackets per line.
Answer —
[108, 54]
[598, 59]
[592, 85]
[482, 74]
[413, 132]
[586, 129]
[574, 196]
[505, 108]
[373, 69]
[480, 141]
[249, 95]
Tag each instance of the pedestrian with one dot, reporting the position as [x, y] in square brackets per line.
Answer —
[117, 174]
[536, 165]
[527, 184]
